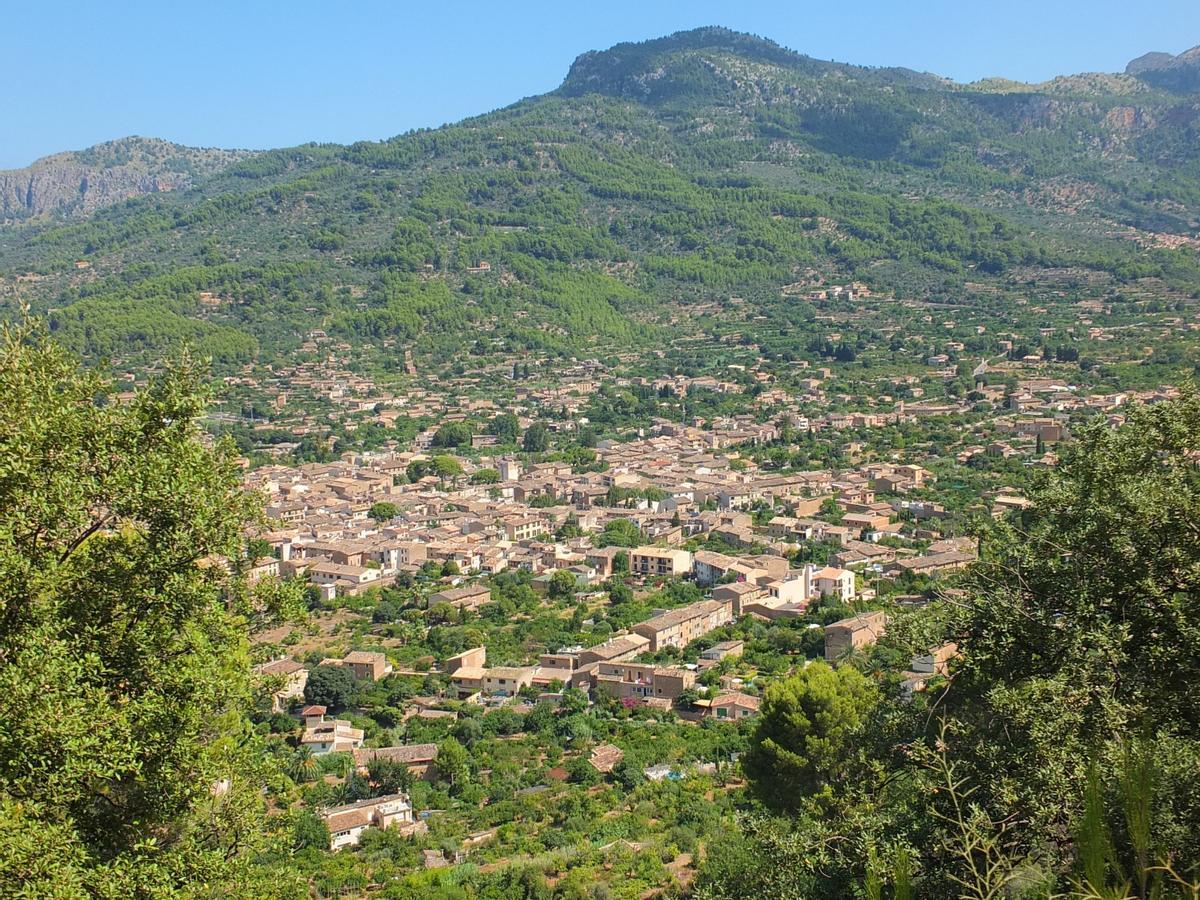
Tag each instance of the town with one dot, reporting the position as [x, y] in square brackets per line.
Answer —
[643, 567]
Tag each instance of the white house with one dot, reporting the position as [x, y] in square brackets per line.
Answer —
[347, 823]
[829, 582]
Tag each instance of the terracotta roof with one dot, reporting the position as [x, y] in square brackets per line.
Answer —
[408, 754]
[280, 667]
[737, 698]
[364, 656]
[606, 756]
[344, 821]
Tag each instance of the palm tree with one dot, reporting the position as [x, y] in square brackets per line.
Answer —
[302, 766]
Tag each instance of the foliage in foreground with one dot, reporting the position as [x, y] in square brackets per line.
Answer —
[126, 765]
[1061, 753]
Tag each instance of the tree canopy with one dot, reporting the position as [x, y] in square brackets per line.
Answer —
[126, 765]
[805, 735]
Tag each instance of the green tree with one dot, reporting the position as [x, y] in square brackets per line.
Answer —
[302, 766]
[452, 761]
[505, 427]
[562, 585]
[804, 739]
[332, 686]
[621, 560]
[309, 832]
[1080, 627]
[619, 591]
[619, 533]
[126, 764]
[383, 511]
[388, 776]
[537, 439]
[453, 434]
[445, 467]
[573, 701]
[485, 476]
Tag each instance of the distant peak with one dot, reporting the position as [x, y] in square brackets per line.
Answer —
[611, 70]
[709, 37]
[1180, 72]
[667, 67]
[1148, 62]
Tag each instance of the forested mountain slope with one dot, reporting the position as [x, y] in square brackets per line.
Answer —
[659, 175]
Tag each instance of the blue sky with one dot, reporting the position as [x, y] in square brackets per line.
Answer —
[262, 74]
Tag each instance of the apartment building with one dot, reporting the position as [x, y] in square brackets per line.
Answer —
[660, 561]
[679, 627]
[619, 648]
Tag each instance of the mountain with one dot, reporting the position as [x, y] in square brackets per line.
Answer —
[1175, 73]
[659, 180]
[81, 182]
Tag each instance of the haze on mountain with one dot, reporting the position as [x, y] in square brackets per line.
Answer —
[657, 173]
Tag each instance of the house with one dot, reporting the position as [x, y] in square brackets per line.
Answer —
[928, 565]
[367, 665]
[866, 521]
[347, 579]
[294, 677]
[506, 681]
[476, 657]
[850, 634]
[733, 706]
[605, 757]
[738, 594]
[723, 650]
[467, 598]
[264, 567]
[615, 649]
[936, 661]
[642, 680]
[555, 667]
[830, 582]
[788, 591]
[468, 681]
[325, 735]
[524, 528]
[709, 567]
[924, 668]
[347, 823]
[602, 560]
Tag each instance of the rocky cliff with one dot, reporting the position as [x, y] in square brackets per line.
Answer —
[80, 182]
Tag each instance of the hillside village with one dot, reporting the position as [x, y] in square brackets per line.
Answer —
[729, 474]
